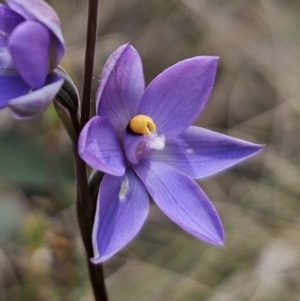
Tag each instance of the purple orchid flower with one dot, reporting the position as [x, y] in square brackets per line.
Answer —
[31, 47]
[143, 142]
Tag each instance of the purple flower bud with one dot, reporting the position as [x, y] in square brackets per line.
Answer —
[31, 47]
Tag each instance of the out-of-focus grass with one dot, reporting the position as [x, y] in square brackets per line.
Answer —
[256, 97]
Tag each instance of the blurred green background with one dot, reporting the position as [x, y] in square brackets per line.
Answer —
[256, 98]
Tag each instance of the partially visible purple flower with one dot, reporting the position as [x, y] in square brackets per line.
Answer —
[31, 47]
[143, 141]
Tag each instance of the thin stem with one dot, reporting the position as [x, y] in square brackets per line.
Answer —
[89, 61]
[85, 212]
[85, 205]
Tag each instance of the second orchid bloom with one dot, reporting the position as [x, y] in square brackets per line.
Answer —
[31, 47]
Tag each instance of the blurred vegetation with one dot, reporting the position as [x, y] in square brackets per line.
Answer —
[256, 97]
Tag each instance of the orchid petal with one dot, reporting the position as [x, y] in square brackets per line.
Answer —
[122, 208]
[182, 200]
[199, 152]
[39, 10]
[121, 87]
[100, 147]
[37, 101]
[176, 97]
[9, 19]
[29, 45]
[11, 86]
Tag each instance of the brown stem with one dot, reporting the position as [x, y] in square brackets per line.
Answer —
[85, 206]
[89, 61]
[66, 104]
[85, 212]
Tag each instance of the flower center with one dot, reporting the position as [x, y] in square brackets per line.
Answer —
[142, 124]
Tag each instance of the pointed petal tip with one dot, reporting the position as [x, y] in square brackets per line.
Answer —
[128, 44]
[214, 60]
[219, 244]
[100, 259]
[125, 46]
[260, 147]
[218, 241]
[256, 148]
[253, 148]
[95, 260]
[216, 237]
